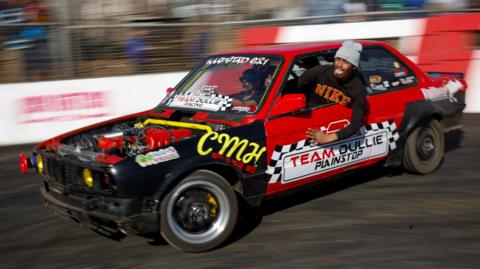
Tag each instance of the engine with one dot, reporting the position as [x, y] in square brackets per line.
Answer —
[137, 140]
[121, 140]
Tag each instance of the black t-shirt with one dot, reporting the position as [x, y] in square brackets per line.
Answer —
[325, 88]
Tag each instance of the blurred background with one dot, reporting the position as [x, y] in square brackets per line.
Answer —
[59, 39]
[65, 64]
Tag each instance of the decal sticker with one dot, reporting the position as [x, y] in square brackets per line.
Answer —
[303, 159]
[399, 73]
[447, 91]
[407, 80]
[204, 99]
[240, 165]
[238, 149]
[243, 108]
[395, 83]
[63, 107]
[386, 84]
[238, 60]
[331, 94]
[378, 87]
[375, 79]
[335, 126]
[156, 157]
[209, 89]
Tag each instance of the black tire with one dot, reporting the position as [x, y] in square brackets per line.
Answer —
[200, 213]
[424, 148]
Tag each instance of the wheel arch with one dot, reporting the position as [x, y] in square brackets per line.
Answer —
[227, 172]
[416, 114]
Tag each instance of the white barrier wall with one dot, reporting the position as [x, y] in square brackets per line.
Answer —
[355, 30]
[32, 112]
[473, 81]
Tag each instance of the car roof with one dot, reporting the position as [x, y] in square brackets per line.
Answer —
[293, 49]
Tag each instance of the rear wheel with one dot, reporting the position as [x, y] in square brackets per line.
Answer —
[424, 148]
[200, 213]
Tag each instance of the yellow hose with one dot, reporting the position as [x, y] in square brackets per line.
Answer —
[187, 125]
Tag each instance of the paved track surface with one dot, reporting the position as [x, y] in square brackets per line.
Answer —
[376, 219]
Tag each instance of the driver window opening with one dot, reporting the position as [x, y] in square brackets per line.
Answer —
[303, 64]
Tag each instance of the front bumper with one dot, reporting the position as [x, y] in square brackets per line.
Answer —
[105, 215]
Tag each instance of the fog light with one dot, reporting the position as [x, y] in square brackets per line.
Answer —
[40, 163]
[87, 178]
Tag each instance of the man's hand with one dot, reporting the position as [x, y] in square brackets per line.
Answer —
[321, 137]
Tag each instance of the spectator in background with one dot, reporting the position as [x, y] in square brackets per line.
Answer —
[391, 5]
[449, 4]
[135, 48]
[11, 12]
[355, 6]
[37, 12]
[199, 47]
[325, 8]
[36, 53]
[3, 4]
[415, 4]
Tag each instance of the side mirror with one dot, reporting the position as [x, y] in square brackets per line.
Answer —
[169, 90]
[289, 103]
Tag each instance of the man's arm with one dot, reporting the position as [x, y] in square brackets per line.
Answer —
[307, 79]
[358, 111]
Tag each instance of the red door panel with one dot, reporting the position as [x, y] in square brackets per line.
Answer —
[288, 132]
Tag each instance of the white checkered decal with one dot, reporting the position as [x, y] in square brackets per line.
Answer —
[274, 168]
[226, 101]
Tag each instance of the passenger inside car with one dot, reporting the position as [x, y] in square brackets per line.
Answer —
[251, 92]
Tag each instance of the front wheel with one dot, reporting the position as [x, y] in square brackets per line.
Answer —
[200, 213]
[424, 148]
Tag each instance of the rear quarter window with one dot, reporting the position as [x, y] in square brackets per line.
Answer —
[384, 72]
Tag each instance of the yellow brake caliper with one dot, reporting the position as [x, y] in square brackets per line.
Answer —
[214, 204]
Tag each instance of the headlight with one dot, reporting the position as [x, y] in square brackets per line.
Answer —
[87, 178]
[39, 164]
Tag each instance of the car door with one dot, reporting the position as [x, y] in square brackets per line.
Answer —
[292, 159]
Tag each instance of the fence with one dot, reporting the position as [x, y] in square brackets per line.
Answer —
[38, 52]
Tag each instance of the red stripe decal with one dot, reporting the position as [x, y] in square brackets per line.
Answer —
[447, 43]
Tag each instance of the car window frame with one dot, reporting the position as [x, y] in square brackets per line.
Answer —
[285, 80]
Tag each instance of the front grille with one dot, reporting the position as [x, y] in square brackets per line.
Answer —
[70, 175]
[58, 173]
[73, 176]
[54, 169]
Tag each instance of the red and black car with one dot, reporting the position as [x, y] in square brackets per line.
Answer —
[181, 167]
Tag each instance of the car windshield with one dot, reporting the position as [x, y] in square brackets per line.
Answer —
[231, 84]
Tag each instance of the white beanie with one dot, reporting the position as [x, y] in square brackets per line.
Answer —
[350, 51]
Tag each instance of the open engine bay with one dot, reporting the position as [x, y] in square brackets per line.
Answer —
[129, 138]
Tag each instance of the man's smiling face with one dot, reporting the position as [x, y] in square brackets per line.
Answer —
[343, 69]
